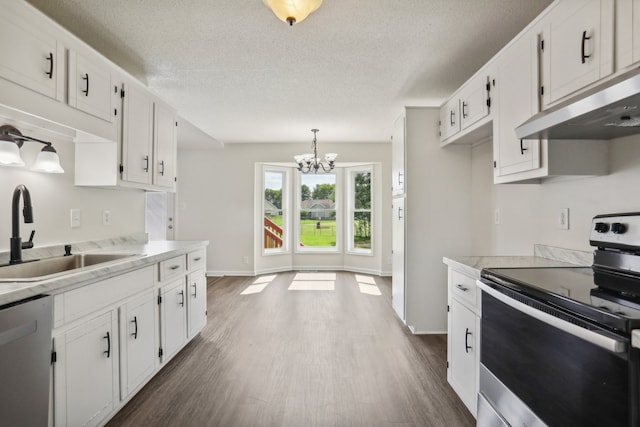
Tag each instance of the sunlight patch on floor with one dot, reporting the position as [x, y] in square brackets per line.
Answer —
[259, 285]
[315, 276]
[312, 285]
[367, 285]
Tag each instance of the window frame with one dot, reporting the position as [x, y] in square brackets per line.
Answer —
[337, 172]
[285, 209]
[351, 172]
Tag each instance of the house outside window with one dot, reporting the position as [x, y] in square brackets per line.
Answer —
[275, 211]
[318, 222]
[360, 217]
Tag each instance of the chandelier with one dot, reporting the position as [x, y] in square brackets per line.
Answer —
[292, 11]
[309, 163]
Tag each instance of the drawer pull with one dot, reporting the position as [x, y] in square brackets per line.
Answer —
[86, 91]
[108, 351]
[467, 347]
[174, 267]
[584, 56]
[135, 332]
[462, 287]
[197, 259]
[50, 59]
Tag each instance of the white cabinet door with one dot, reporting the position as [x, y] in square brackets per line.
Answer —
[397, 156]
[165, 149]
[173, 322]
[449, 119]
[516, 87]
[138, 328]
[90, 86]
[627, 39]
[578, 46]
[85, 373]
[465, 342]
[474, 101]
[137, 135]
[31, 57]
[398, 239]
[197, 302]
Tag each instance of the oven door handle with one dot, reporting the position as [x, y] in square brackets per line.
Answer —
[610, 344]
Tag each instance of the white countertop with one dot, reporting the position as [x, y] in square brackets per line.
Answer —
[143, 254]
[472, 265]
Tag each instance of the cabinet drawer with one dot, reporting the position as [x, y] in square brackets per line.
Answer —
[82, 301]
[195, 260]
[463, 288]
[172, 267]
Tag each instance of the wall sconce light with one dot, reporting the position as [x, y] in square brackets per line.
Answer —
[11, 140]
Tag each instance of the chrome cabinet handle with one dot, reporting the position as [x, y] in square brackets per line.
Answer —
[400, 210]
[195, 290]
[108, 351]
[462, 287]
[452, 115]
[467, 347]
[182, 300]
[400, 176]
[464, 113]
[146, 166]
[86, 91]
[162, 167]
[582, 54]
[50, 59]
[135, 332]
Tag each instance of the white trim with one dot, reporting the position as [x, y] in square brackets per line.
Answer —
[350, 209]
[221, 273]
[285, 209]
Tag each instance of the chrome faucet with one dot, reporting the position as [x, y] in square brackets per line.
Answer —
[16, 242]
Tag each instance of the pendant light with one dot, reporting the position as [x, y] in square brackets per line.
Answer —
[310, 163]
[292, 11]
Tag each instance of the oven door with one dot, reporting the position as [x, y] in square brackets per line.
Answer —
[541, 366]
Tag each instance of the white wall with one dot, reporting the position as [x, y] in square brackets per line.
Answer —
[215, 199]
[53, 195]
[529, 211]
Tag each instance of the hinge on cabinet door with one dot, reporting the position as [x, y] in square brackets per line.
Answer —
[54, 357]
[115, 89]
[115, 111]
[447, 308]
[447, 364]
[489, 102]
[541, 90]
[175, 179]
[495, 165]
[542, 45]
[121, 93]
[159, 299]
[488, 87]
[176, 123]
[160, 352]
[121, 168]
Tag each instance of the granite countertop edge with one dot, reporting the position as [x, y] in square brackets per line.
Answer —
[142, 255]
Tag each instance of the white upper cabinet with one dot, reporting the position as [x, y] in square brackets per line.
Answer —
[450, 118]
[474, 100]
[31, 57]
[516, 87]
[627, 33]
[91, 88]
[397, 156]
[164, 145]
[578, 47]
[137, 135]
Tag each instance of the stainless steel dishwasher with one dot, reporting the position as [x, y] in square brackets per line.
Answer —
[25, 358]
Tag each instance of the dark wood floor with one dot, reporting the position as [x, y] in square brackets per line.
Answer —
[307, 358]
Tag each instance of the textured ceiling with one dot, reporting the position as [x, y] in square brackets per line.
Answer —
[241, 75]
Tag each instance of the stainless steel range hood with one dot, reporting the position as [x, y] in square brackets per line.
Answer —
[607, 111]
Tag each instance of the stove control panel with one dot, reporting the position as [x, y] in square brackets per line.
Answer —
[617, 231]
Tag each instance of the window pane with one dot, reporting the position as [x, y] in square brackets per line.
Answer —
[362, 230]
[273, 231]
[362, 191]
[317, 210]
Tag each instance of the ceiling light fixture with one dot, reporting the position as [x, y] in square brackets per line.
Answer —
[309, 163]
[11, 140]
[292, 11]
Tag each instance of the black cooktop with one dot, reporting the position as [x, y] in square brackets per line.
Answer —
[572, 290]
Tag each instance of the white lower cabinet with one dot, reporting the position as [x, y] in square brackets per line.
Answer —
[197, 302]
[85, 372]
[463, 342]
[173, 318]
[138, 342]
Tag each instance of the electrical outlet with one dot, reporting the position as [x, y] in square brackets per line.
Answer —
[75, 218]
[496, 216]
[563, 219]
[106, 217]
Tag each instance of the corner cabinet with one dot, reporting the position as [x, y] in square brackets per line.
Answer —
[463, 342]
[110, 337]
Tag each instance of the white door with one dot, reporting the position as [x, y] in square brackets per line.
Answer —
[463, 353]
[137, 135]
[197, 291]
[173, 318]
[90, 87]
[397, 281]
[164, 170]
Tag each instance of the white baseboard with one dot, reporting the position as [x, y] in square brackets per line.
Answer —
[230, 273]
[297, 268]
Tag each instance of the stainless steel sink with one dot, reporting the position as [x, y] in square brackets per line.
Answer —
[51, 267]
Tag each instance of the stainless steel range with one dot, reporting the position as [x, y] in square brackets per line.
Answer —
[560, 346]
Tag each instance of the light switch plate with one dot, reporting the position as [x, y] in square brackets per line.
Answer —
[75, 218]
[563, 219]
